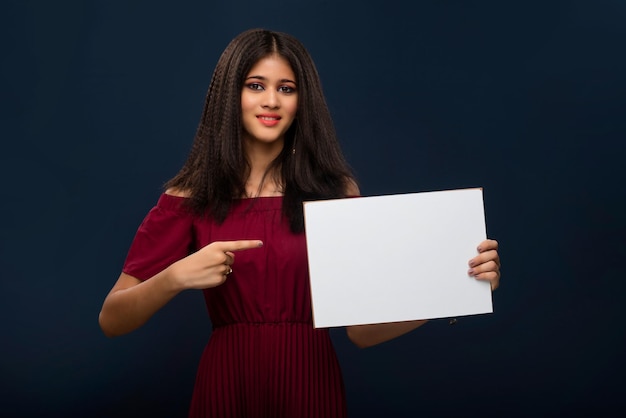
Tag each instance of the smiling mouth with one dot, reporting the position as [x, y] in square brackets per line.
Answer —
[269, 121]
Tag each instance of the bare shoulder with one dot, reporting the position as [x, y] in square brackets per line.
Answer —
[173, 191]
[352, 188]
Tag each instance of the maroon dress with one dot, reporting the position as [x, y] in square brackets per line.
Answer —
[264, 358]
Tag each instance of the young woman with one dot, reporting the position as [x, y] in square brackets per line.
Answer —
[231, 223]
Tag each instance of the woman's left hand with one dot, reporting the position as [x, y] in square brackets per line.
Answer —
[486, 265]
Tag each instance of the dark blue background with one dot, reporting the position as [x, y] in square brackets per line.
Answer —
[99, 104]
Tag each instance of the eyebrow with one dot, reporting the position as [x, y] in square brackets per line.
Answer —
[260, 77]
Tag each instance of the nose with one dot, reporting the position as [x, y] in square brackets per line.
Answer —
[271, 99]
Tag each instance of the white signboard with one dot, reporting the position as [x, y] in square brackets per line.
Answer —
[395, 258]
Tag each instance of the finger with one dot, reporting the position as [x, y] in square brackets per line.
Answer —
[488, 244]
[492, 277]
[489, 266]
[231, 246]
[491, 255]
[230, 258]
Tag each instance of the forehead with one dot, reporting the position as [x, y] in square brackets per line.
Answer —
[275, 65]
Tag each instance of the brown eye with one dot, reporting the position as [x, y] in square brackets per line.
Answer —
[255, 86]
[286, 89]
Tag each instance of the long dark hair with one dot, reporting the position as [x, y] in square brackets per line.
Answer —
[311, 165]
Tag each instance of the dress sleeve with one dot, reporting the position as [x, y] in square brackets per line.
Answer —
[164, 237]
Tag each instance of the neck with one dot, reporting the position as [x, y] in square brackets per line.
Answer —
[261, 182]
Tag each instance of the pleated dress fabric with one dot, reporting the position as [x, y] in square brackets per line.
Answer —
[263, 358]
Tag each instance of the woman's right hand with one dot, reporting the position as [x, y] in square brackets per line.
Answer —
[210, 265]
[131, 302]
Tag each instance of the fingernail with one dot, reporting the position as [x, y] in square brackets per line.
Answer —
[471, 263]
[470, 272]
[260, 243]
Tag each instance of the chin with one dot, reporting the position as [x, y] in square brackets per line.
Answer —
[267, 140]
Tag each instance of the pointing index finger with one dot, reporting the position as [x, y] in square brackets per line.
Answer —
[238, 245]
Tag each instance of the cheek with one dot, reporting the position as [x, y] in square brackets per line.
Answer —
[244, 105]
[293, 108]
[247, 102]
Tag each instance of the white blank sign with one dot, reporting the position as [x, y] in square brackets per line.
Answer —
[395, 258]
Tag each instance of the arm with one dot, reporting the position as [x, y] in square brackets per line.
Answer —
[364, 336]
[131, 302]
[485, 266]
[368, 335]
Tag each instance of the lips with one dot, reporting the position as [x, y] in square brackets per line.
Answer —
[269, 120]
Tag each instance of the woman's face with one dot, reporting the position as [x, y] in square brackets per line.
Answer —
[269, 101]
